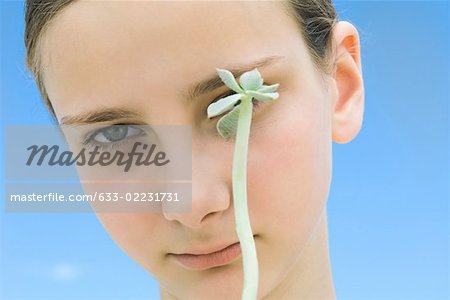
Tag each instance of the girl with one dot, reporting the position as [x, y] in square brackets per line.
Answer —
[132, 63]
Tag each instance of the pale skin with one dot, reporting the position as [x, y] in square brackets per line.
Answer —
[141, 56]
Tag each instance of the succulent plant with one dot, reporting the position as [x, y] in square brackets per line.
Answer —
[236, 123]
[251, 86]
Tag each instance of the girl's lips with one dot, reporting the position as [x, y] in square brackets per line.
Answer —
[206, 261]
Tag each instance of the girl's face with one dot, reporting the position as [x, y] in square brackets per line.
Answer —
[141, 57]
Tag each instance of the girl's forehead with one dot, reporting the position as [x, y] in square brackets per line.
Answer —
[166, 29]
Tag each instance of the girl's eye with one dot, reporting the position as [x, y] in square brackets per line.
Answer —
[115, 133]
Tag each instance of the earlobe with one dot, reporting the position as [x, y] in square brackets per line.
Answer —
[348, 103]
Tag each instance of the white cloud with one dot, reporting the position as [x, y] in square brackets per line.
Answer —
[65, 272]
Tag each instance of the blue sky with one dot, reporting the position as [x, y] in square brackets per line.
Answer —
[389, 200]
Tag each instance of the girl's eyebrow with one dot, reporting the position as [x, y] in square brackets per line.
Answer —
[213, 82]
[100, 115]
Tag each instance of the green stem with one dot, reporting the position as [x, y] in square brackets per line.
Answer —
[243, 226]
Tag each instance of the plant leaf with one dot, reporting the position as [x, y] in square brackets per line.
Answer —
[223, 105]
[268, 88]
[227, 125]
[251, 80]
[228, 78]
[264, 97]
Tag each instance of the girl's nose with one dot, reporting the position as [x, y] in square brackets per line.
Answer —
[211, 195]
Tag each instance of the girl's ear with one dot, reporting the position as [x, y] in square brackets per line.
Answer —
[348, 103]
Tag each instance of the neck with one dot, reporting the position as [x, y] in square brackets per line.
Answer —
[311, 277]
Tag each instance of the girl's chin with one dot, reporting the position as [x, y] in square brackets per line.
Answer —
[222, 282]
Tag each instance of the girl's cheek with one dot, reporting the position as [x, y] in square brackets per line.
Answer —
[136, 234]
[288, 164]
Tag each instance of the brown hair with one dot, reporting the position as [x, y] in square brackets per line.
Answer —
[315, 18]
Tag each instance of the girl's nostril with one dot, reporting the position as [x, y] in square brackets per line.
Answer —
[207, 216]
